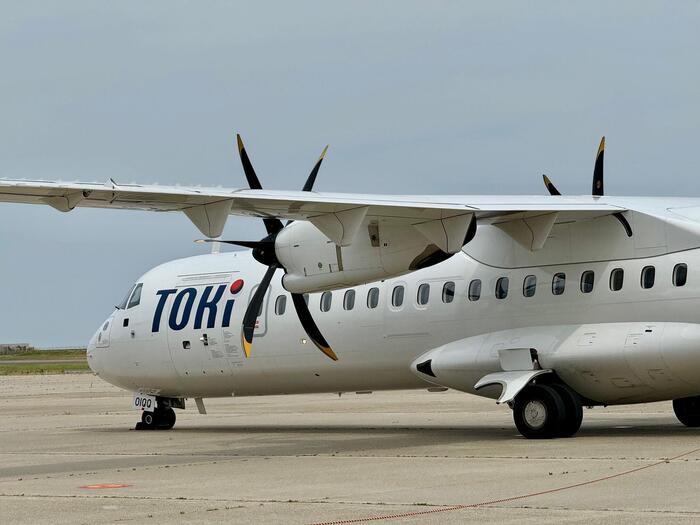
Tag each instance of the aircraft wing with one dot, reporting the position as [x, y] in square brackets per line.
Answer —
[209, 208]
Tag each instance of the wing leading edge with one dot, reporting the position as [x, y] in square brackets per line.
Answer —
[208, 208]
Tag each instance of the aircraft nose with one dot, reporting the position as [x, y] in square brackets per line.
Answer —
[93, 355]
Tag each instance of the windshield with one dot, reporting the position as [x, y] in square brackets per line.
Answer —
[122, 304]
[135, 296]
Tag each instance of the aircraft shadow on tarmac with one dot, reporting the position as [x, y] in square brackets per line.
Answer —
[422, 434]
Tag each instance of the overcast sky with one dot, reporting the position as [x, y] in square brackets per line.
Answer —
[413, 97]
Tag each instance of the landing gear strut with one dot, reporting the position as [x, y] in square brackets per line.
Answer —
[688, 411]
[162, 418]
[547, 411]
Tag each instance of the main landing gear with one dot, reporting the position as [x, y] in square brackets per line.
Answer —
[163, 417]
[688, 411]
[547, 411]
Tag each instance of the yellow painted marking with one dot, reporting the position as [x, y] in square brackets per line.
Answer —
[601, 148]
[240, 142]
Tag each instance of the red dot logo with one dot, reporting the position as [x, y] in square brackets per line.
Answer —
[236, 286]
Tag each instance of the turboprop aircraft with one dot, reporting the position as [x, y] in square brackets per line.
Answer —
[546, 304]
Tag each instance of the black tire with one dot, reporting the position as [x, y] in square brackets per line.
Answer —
[148, 421]
[538, 412]
[573, 411]
[166, 419]
[688, 411]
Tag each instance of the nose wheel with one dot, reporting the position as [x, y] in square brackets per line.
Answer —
[159, 419]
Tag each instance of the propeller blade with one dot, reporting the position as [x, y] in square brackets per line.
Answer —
[598, 189]
[310, 326]
[250, 175]
[309, 184]
[251, 313]
[272, 225]
[550, 187]
[245, 244]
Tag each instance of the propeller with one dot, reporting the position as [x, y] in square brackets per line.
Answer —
[597, 189]
[264, 253]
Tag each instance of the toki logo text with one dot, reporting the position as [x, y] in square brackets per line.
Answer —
[184, 306]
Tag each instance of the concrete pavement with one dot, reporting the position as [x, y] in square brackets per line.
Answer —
[68, 454]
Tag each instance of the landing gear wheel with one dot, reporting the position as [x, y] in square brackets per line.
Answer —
[167, 419]
[538, 412]
[573, 411]
[688, 411]
[160, 419]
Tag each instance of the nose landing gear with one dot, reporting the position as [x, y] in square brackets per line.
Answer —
[163, 417]
[159, 419]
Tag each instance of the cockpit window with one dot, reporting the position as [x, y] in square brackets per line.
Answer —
[135, 299]
[122, 304]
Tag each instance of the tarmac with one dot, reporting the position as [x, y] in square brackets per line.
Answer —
[69, 454]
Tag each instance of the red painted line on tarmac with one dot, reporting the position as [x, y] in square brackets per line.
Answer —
[100, 486]
[504, 500]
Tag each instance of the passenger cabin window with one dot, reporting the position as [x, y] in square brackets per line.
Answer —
[326, 299]
[448, 292]
[397, 296]
[558, 283]
[617, 278]
[680, 274]
[423, 294]
[349, 300]
[587, 279]
[135, 298]
[529, 286]
[474, 290]
[502, 288]
[648, 277]
[372, 297]
[280, 304]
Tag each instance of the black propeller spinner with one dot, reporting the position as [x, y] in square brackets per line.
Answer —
[264, 253]
[598, 189]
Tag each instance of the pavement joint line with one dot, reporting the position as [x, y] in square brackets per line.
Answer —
[225, 457]
[439, 507]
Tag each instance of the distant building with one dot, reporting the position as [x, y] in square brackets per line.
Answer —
[14, 348]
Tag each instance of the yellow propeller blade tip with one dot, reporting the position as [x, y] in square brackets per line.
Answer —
[602, 145]
[330, 353]
[323, 153]
[246, 346]
[239, 140]
[547, 182]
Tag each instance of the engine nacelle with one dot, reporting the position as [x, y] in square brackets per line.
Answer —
[378, 250]
[610, 363]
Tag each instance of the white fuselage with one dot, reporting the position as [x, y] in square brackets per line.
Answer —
[376, 346]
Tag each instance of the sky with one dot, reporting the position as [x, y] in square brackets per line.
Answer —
[413, 97]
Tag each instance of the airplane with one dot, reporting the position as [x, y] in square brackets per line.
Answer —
[546, 304]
